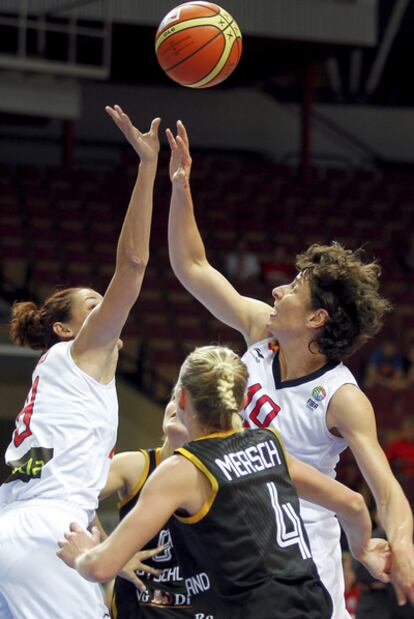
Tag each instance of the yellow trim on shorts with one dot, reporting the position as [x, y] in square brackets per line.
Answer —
[139, 483]
[214, 483]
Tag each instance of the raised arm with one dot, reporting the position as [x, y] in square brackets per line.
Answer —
[351, 510]
[102, 328]
[188, 256]
[351, 413]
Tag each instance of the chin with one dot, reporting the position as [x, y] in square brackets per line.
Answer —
[120, 344]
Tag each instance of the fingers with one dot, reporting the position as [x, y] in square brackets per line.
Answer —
[121, 119]
[76, 528]
[96, 535]
[171, 139]
[182, 132]
[147, 554]
[400, 595]
[132, 577]
[155, 126]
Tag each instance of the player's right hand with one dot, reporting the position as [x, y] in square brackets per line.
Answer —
[180, 160]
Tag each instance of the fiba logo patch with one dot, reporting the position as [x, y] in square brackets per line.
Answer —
[319, 393]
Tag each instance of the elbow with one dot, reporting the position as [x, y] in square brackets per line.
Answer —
[94, 570]
[133, 262]
[100, 574]
[355, 505]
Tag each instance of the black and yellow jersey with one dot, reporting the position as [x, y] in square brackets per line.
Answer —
[166, 594]
[246, 554]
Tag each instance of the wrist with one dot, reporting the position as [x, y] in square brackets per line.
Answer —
[148, 164]
[181, 186]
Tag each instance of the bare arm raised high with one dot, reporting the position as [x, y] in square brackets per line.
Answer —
[188, 256]
[100, 332]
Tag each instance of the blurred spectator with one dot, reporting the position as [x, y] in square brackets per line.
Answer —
[400, 454]
[279, 270]
[242, 265]
[385, 366]
[377, 600]
[352, 590]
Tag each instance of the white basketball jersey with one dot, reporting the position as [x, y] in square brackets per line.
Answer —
[297, 409]
[65, 435]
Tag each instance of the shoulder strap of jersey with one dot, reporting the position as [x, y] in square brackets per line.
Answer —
[214, 487]
[150, 457]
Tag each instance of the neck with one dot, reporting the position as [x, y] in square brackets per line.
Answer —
[168, 448]
[295, 361]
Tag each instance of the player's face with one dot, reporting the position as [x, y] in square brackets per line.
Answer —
[172, 426]
[291, 307]
[83, 302]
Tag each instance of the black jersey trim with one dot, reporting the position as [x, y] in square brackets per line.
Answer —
[281, 384]
[142, 479]
[214, 484]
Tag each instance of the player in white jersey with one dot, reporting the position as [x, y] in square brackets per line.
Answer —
[61, 449]
[330, 309]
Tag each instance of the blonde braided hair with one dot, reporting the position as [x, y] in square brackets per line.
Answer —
[216, 379]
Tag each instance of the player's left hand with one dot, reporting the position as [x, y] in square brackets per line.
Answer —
[77, 541]
[146, 145]
[402, 575]
[377, 559]
[135, 564]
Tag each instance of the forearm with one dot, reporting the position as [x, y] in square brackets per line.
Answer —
[356, 523]
[133, 244]
[396, 517]
[349, 506]
[186, 246]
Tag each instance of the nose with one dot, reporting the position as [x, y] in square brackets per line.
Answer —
[277, 292]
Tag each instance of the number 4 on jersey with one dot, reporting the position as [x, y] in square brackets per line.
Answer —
[289, 530]
[23, 419]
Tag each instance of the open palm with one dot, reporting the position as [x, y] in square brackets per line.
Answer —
[146, 145]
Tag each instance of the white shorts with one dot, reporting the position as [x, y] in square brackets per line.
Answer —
[34, 582]
[324, 538]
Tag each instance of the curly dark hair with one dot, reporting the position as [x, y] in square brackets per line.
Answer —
[347, 287]
[32, 326]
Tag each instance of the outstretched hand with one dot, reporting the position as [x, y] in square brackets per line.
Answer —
[180, 160]
[146, 145]
[77, 541]
[129, 570]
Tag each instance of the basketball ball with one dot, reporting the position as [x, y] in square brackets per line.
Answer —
[198, 44]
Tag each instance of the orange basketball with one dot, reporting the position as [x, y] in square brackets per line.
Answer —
[198, 44]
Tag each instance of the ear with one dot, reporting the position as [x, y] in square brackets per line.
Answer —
[63, 331]
[181, 398]
[317, 319]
